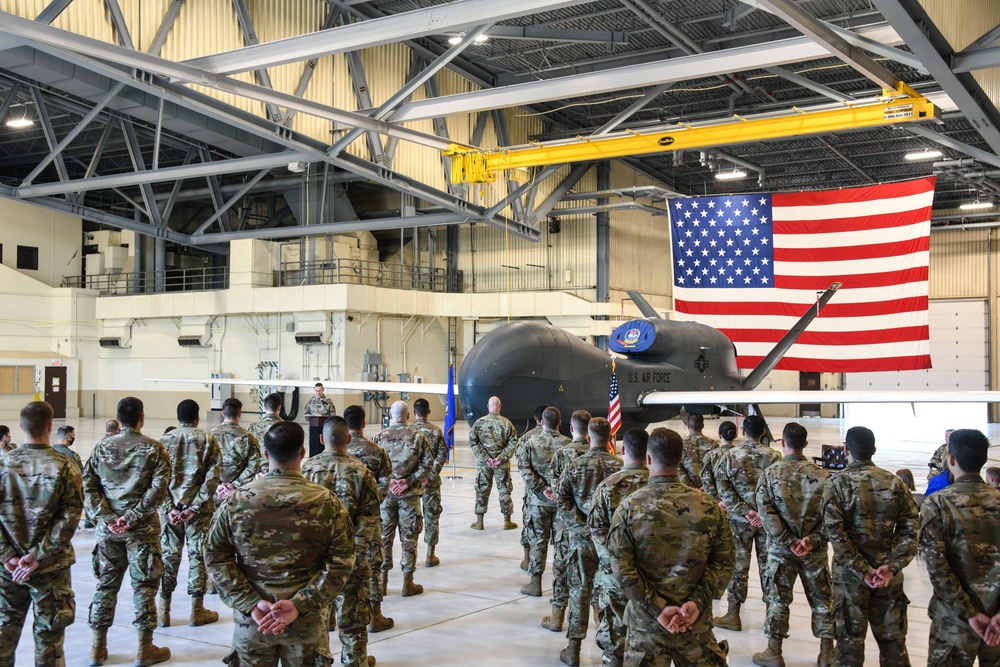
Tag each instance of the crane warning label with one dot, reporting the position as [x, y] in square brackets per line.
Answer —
[898, 111]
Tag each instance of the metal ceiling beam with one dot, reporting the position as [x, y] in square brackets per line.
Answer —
[50, 133]
[250, 38]
[558, 34]
[121, 27]
[433, 20]
[362, 92]
[105, 218]
[878, 48]
[808, 83]
[52, 11]
[969, 61]
[557, 194]
[848, 161]
[307, 71]
[961, 147]
[632, 109]
[139, 164]
[15, 90]
[221, 211]
[165, 26]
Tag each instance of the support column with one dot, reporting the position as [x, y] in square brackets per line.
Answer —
[160, 264]
[603, 244]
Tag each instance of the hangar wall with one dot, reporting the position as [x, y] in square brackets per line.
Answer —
[962, 28]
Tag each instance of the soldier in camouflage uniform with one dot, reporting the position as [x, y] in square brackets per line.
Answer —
[493, 440]
[41, 498]
[611, 599]
[411, 459]
[696, 447]
[578, 423]
[871, 521]
[577, 486]
[518, 454]
[350, 480]
[672, 549]
[241, 454]
[939, 460]
[320, 405]
[124, 483]
[727, 434]
[379, 465]
[960, 541]
[65, 437]
[6, 446]
[790, 503]
[187, 510]
[534, 461]
[736, 476]
[281, 549]
[272, 406]
[432, 484]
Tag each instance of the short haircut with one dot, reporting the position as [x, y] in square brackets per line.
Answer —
[755, 426]
[696, 421]
[970, 449]
[794, 436]
[231, 408]
[635, 442]
[169, 429]
[727, 431]
[272, 402]
[188, 411]
[112, 426]
[551, 417]
[35, 418]
[993, 476]
[4, 430]
[283, 442]
[421, 407]
[860, 443]
[665, 447]
[906, 475]
[335, 432]
[579, 421]
[539, 412]
[354, 415]
[64, 432]
[129, 411]
[318, 384]
[599, 430]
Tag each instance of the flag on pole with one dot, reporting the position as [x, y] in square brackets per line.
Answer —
[614, 404]
[751, 265]
[450, 413]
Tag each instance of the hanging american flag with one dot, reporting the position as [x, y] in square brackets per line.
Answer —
[614, 404]
[750, 266]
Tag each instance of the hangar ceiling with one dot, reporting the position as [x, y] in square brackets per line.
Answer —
[124, 137]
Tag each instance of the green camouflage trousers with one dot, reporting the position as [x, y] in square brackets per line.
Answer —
[304, 643]
[660, 649]
[375, 559]
[611, 628]
[353, 613]
[538, 528]
[138, 552]
[50, 595]
[402, 513]
[580, 568]
[485, 476]
[746, 538]
[857, 605]
[779, 580]
[172, 544]
[432, 514]
[560, 555]
[525, 538]
[952, 643]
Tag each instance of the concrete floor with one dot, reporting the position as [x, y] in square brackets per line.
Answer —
[472, 611]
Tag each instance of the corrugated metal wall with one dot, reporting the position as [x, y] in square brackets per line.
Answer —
[959, 265]
[640, 242]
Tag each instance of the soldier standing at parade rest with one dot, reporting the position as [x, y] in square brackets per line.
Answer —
[241, 457]
[411, 459]
[350, 480]
[271, 416]
[41, 498]
[493, 440]
[736, 475]
[534, 461]
[611, 600]
[960, 541]
[319, 405]
[696, 447]
[124, 483]
[187, 510]
[280, 550]
[379, 465]
[790, 503]
[518, 454]
[671, 550]
[871, 521]
[939, 460]
[577, 487]
[727, 434]
[432, 484]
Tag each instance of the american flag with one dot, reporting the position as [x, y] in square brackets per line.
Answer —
[614, 404]
[750, 266]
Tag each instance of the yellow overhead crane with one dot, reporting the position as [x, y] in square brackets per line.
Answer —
[904, 105]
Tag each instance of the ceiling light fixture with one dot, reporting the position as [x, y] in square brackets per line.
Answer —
[20, 123]
[733, 175]
[925, 154]
[972, 206]
[456, 39]
[482, 39]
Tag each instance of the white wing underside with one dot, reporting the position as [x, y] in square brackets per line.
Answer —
[796, 397]
[334, 385]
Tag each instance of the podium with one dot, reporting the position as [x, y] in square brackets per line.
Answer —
[315, 431]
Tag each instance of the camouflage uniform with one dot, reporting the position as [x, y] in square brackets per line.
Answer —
[960, 542]
[320, 406]
[518, 454]
[871, 520]
[560, 536]
[432, 492]
[194, 476]
[258, 429]
[611, 598]
[534, 462]
[281, 537]
[937, 464]
[709, 483]
[40, 502]
[736, 476]
[126, 476]
[379, 465]
[411, 459]
[73, 456]
[350, 480]
[241, 454]
[696, 448]
[493, 436]
[577, 487]
[7, 448]
[790, 502]
[669, 544]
